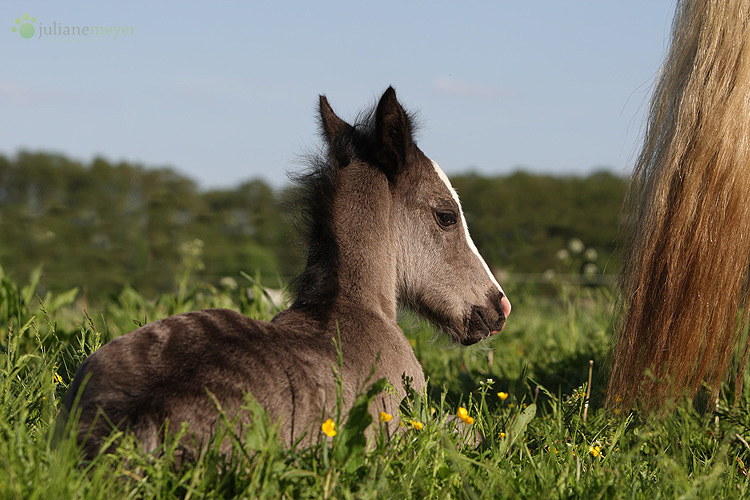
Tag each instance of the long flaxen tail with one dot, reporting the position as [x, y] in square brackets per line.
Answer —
[686, 219]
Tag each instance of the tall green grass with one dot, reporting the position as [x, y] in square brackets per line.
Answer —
[537, 442]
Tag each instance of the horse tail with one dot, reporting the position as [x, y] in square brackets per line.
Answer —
[686, 217]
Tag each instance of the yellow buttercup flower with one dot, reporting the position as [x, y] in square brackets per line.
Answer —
[502, 395]
[502, 435]
[329, 428]
[57, 378]
[416, 424]
[385, 417]
[595, 451]
[464, 415]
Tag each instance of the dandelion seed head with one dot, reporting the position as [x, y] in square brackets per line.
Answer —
[576, 246]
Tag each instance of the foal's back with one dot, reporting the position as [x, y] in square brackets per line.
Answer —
[173, 369]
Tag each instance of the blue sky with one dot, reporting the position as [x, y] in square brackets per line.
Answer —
[227, 91]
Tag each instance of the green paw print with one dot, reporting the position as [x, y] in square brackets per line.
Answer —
[26, 30]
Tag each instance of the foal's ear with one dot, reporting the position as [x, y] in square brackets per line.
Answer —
[333, 126]
[393, 132]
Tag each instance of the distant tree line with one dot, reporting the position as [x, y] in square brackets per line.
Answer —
[103, 225]
[525, 223]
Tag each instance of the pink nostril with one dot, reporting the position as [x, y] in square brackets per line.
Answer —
[505, 305]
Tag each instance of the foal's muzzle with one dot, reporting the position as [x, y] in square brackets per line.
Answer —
[484, 321]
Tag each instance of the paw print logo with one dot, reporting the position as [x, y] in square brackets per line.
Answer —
[24, 26]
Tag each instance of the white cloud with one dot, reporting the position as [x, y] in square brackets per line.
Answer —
[13, 92]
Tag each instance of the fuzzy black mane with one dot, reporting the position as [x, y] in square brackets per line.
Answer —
[317, 286]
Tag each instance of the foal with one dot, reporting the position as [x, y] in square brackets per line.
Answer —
[384, 225]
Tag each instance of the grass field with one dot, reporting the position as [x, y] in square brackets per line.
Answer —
[525, 391]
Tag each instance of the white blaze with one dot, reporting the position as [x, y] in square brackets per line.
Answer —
[472, 246]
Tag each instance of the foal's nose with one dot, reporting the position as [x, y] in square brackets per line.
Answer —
[505, 306]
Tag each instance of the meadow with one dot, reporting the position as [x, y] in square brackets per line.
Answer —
[529, 433]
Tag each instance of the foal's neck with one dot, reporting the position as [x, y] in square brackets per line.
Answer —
[366, 242]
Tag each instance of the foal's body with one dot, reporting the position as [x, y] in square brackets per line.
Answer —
[384, 225]
[162, 372]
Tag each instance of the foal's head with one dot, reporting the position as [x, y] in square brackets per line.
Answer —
[438, 271]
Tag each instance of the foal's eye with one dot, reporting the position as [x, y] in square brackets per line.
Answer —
[447, 218]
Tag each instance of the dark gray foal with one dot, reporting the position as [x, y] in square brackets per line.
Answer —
[384, 225]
